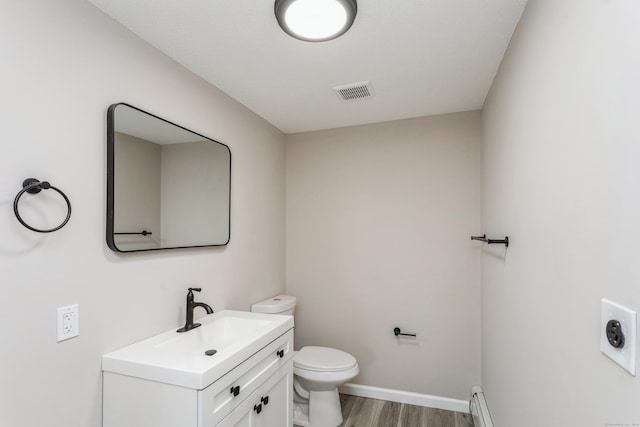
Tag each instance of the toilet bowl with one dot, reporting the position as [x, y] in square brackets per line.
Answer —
[318, 372]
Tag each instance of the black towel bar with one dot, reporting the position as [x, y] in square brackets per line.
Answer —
[143, 232]
[483, 238]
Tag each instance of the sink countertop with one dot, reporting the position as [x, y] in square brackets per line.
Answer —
[179, 359]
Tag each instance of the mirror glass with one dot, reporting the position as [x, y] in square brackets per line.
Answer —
[167, 187]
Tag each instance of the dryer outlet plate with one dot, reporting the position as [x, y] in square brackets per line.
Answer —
[625, 356]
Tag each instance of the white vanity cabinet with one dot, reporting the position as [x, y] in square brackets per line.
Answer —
[256, 392]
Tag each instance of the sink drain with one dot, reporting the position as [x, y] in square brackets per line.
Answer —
[210, 352]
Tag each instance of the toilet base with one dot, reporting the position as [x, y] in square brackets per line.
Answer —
[300, 414]
[323, 410]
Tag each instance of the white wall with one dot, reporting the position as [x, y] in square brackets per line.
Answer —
[62, 66]
[561, 178]
[378, 225]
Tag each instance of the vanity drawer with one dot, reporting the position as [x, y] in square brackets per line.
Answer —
[221, 397]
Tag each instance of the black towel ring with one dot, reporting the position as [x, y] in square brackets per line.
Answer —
[34, 186]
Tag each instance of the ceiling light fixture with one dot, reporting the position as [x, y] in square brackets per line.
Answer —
[315, 20]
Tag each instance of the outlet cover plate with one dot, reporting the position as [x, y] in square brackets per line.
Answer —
[625, 356]
[68, 322]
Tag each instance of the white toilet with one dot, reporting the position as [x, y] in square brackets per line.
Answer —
[318, 372]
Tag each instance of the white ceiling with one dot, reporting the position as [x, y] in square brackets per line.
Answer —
[422, 57]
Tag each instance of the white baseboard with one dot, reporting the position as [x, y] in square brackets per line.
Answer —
[406, 397]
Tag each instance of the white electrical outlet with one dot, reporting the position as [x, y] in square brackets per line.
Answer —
[622, 333]
[68, 322]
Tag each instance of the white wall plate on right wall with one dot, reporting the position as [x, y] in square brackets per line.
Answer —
[618, 334]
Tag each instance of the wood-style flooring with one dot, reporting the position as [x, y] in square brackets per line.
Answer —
[363, 412]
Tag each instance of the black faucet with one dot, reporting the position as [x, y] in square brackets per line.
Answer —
[189, 325]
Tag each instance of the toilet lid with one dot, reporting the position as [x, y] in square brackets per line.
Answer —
[323, 359]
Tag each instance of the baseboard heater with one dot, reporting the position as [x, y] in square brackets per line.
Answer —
[479, 409]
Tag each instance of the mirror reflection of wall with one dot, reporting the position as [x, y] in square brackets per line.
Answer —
[194, 175]
[137, 195]
[165, 180]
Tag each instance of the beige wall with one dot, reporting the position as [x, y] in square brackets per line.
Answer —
[378, 226]
[561, 178]
[61, 69]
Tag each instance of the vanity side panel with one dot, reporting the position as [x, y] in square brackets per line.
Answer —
[133, 402]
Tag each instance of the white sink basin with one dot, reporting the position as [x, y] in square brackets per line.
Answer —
[180, 359]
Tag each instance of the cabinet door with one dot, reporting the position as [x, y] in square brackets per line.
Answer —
[269, 406]
[278, 410]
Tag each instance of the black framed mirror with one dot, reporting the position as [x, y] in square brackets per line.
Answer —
[167, 186]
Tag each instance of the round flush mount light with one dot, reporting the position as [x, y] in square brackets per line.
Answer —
[315, 20]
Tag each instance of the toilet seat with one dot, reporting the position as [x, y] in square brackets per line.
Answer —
[323, 368]
[323, 359]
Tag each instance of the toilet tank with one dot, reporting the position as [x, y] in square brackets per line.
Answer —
[281, 304]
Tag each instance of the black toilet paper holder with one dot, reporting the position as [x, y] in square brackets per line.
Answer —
[398, 332]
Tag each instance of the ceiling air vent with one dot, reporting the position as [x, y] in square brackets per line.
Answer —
[354, 91]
